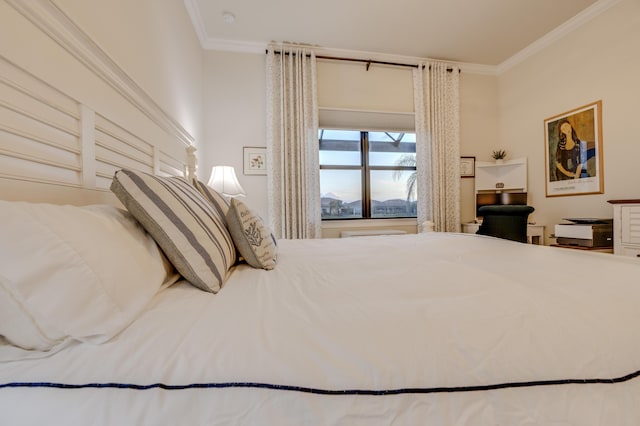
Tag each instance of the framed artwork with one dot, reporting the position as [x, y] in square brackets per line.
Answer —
[467, 167]
[255, 160]
[573, 152]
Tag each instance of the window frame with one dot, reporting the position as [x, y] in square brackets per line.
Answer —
[365, 172]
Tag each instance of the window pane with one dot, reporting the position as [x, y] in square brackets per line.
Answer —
[339, 147]
[392, 149]
[341, 194]
[393, 193]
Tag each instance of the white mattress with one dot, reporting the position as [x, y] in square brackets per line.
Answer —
[438, 329]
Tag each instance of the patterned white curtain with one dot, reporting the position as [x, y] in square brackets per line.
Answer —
[292, 142]
[437, 109]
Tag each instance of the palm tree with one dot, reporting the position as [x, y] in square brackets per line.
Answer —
[407, 160]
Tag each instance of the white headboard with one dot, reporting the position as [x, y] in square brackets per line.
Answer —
[51, 139]
[70, 117]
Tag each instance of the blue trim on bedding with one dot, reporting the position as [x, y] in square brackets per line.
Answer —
[427, 390]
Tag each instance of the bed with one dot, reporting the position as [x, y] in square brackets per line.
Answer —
[433, 328]
[107, 319]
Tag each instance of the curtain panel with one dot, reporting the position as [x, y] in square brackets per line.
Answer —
[437, 112]
[292, 142]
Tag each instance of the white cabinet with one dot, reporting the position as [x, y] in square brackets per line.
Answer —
[510, 175]
[502, 182]
[626, 227]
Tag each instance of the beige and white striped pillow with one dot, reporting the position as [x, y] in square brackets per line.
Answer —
[217, 201]
[193, 235]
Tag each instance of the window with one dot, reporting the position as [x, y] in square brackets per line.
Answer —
[366, 174]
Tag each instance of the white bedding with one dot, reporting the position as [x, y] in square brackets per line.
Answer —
[429, 313]
[72, 273]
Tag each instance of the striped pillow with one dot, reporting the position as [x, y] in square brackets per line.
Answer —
[191, 233]
[218, 202]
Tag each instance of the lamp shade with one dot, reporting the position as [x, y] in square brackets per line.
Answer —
[223, 179]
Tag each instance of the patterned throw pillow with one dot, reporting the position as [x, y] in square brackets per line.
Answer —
[191, 233]
[253, 239]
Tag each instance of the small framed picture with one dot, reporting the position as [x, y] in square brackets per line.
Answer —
[467, 167]
[255, 160]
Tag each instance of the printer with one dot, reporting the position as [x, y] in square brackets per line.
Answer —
[585, 232]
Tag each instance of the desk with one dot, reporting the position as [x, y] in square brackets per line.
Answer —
[535, 233]
[595, 249]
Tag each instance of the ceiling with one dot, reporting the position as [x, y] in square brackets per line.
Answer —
[487, 32]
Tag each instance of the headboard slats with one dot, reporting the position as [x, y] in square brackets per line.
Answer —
[22, 81]
[32, 169]
[109, 128]
[168, 165]
[15, 139]
[70, 115]
[107, 147]
[24, 126]
[30, 150]
[47, 137]
[44, 117]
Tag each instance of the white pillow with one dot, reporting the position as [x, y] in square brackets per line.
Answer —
[83, 273]
[18, 326]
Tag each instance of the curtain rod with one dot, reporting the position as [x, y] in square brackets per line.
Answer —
[366, 61]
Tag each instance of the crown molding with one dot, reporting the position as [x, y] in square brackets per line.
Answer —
[209, 43]
[556, 34]
[52, 21]
[235, 46]
[196, 20]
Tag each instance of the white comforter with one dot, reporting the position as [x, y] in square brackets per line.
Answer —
[419, 312]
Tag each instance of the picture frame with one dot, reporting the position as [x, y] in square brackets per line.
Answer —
[467, 167]
[255, 160]
[573, 152]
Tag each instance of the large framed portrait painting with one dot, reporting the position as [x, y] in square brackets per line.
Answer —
[573, 152]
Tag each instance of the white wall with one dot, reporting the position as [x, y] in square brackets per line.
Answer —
[155, 43]
[478, 130]
[234, 117]
[598, 61]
